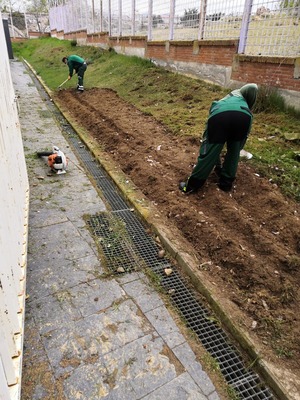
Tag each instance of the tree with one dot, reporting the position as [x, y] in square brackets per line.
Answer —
[191, 17]
[292, 7]
[38, 8]
[289, 3]
[19, 20]
[13, 5]
[157, 19]
[12, 8]
[214, 17]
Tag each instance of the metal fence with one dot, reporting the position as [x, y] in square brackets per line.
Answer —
[14, 200]
[264, 27]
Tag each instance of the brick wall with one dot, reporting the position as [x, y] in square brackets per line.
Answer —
[219, 57]
[275, 71]
[207, 52]
[35, 34]
[156, 50]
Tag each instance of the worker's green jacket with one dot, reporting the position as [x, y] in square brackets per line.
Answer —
[74, 63]
[230, 103]
[238, 100]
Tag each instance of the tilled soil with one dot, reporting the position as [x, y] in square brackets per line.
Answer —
[247, 241]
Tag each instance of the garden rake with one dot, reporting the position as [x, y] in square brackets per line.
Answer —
[63, 83]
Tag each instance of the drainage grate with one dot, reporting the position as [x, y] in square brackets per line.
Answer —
[101, 178]
[145, 246]
[246, 383]
[122, 232]
[112, 236]
[134, 247]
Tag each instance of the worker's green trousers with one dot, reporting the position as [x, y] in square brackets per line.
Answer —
[81, 72]
[209, 157]
[230, 127]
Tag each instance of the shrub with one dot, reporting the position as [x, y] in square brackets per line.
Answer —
[268, 99]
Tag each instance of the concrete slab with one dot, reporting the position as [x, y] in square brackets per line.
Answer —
[96, 296]
[182, 387]
[57, 242]
[54, 277]
[89, 339]
[143, 294]
[188, 360]
[129, 372]
[165, 326]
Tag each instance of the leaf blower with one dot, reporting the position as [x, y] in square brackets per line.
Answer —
[57, 160]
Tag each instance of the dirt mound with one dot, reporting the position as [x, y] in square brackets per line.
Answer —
[247, 241]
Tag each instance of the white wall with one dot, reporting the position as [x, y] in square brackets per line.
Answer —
[14, 203]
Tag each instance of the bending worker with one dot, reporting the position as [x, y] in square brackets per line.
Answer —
[77, 64]
[229, 122]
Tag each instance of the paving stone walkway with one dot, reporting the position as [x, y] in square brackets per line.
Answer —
[88, 335]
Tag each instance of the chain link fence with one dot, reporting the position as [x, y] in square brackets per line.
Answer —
[263, 27]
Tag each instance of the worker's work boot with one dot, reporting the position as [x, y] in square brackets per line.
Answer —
[191, 185]
[184, 188]
[225, 184]
[80, 88]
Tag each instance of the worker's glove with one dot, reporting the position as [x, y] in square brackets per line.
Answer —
[69, 77]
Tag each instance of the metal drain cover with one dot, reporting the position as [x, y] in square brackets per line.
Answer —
[127, 247]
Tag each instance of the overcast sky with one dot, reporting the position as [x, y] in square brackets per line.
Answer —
[160, 7]
[16, 5]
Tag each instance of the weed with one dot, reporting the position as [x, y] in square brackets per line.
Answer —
[154, 278]
[268, 99]
[232, 393]
[287, 295]
[31, 156]
[294, 263]
[45, 113]
[61, 296]
[253, 363]
[283, 352]
[274, 325]
[131, 361]
[116, 305]
[115, 245]
[104, 275]
[211, 362]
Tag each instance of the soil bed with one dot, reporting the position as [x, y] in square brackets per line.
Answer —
[247, 241]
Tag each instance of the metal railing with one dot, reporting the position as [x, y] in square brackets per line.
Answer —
[263, 27]
[14, 201]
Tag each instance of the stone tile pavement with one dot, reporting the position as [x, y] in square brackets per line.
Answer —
[88, 335]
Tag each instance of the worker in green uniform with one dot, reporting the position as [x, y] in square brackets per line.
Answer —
[229, 122]
[77, 64]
